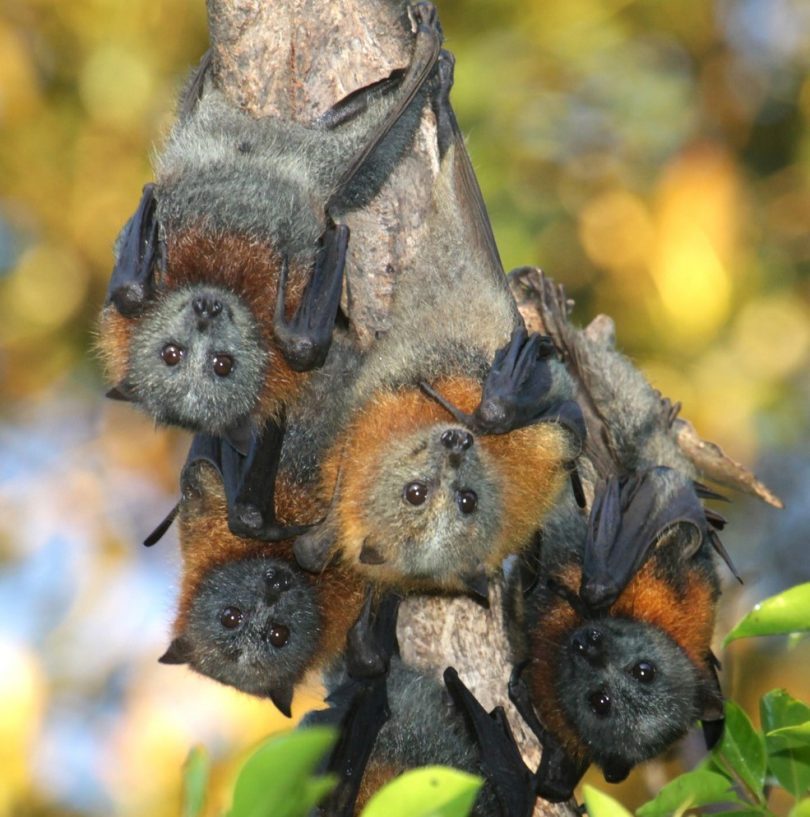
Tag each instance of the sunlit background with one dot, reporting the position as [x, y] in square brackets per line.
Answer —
[654, 156]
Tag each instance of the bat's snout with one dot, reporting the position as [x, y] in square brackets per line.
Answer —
[589, 643]
[456, 441]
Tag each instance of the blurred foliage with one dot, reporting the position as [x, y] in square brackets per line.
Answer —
[652, 155]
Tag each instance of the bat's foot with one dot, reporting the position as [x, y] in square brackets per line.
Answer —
[138, 251]
[245, 519]
[517, 384]
[305, 339]
[425, 16]
[370, 643]
[440, 99]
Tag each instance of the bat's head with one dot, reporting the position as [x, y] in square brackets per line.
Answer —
[197, 359]
[628, 689]
[253, 624]
[430, 509]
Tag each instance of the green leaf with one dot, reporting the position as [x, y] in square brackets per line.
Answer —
[801, 809]
[602, 805]
[434, 791]
[275, 780]
[743, 748]
[789, 764]
[196, 770]
[788, 612]
[689, 791]
[795, 736]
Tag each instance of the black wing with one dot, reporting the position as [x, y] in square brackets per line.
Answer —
[139, 250]
[500, 759]
[362, 707]
[628, 516]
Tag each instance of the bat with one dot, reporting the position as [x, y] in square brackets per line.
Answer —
[616, 634]
[248, 616]
[401, 722]
[617, 680]
[228, 276]
[462, 430]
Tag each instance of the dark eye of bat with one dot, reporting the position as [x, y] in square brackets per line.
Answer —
[231, 618]
[223, 365]
[278, 635]
[416, 493]
[172, 354]
[467, 501]
[600, 703]
[644, 672]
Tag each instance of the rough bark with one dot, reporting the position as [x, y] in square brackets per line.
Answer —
[296, 59]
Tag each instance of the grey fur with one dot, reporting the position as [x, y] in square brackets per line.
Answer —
[425, 729]
[244, 657]
[436, 541]
[644, 718]
[270, 178]
[319, 414]
[452, 311]
[269, 181]
[190, 394]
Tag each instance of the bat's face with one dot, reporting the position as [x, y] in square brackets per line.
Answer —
[254, 625]
[628, 689]
[197, 359]
[432, 507]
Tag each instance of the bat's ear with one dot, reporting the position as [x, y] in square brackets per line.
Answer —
[281, 696]
[123, 392]
[313, 548]
[179, 652]
[616, 770]
[201, 487]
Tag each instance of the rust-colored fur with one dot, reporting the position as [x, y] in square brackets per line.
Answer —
[236, 263]
[375, 777]
[529, 465]
[686, 615]
[207, 542]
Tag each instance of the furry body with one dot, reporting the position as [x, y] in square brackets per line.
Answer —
[421, 502]
[617, 629]
[244, 208]
[664, 616]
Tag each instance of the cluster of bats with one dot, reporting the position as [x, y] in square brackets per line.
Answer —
[325, 482]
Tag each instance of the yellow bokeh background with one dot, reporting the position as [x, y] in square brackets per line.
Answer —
[652, 155]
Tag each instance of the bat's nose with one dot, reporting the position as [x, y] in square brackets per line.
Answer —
[276, 581]
[589, 643]
[206, 306]
[456, 440]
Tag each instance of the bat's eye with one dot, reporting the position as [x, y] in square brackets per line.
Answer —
[172, 354]
[600, 703]
[644, 672]
[278, 635]
[222, 365]
[467, 501]
[416, 493]
[231, 618]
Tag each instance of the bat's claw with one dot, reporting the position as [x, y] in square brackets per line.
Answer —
[305, 339]
[245, 519]
[425, 15]
[518, 381]
[138, 251]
